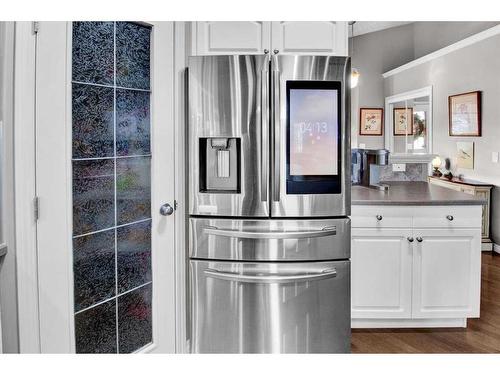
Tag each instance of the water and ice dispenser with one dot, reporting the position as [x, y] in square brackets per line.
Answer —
[220, 165]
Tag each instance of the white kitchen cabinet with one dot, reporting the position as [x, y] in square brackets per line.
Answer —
[415, 266]
[381, 262]
[227, 37]
[446, 277]
[310, 37]
[256, 37]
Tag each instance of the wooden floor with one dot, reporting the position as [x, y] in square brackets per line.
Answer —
[481, 335]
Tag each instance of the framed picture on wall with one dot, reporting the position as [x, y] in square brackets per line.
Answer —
[371, 121]
[403, 121]
[464, 112]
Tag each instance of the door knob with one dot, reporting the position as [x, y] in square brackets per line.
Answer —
[449, 217]
[166, 210]
[410, 239]
[420, 239]
[379, 217]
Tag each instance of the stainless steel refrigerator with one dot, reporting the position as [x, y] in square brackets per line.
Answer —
[269, 199]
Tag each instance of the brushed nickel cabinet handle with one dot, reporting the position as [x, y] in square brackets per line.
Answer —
[450, 217]
[420, 239]
[410, 239]
[379, 217]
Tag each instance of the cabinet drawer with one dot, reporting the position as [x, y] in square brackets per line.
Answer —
[448, 217]
[380, 217]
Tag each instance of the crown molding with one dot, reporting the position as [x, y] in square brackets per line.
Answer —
[488, 33]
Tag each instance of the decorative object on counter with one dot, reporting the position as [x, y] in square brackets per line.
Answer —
[477, 189]
[436, 164]
[465, 155]
[371, 121]
[403, 121]
[464, 112]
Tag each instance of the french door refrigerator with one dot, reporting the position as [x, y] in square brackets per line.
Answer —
[269, 199]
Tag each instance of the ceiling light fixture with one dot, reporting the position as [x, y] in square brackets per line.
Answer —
[354, 72]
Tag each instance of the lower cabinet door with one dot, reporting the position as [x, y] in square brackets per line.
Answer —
[446, 273]
[244, 307]
[381, 273]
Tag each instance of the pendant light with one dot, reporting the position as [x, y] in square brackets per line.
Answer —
[354, 72]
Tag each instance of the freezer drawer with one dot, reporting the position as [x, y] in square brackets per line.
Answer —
[271, 240]
[270, 307]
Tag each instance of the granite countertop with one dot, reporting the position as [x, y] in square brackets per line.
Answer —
[412, 193]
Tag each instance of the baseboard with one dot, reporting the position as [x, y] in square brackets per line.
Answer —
[496, 248]
[486, 246]
[409, 323]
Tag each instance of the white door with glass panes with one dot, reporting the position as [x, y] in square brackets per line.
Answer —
[104, 166]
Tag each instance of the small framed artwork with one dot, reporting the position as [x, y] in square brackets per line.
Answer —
[403, 121]
[464, 111]
[465, 155]
[371, 121]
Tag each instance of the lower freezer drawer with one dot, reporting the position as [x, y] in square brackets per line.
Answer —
[243, 307]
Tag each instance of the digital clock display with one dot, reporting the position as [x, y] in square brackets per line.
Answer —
[313, 132]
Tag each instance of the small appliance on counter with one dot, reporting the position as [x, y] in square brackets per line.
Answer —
[363, 172]
[269, 199]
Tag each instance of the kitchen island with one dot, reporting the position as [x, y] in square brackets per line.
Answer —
[416, 256]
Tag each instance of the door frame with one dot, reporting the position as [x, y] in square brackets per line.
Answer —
[31, 306]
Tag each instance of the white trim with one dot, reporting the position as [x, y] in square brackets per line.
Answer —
[181, 53]
[388, 126]
[488, 33]
[24, 180]
[408, 323]
[496, 248]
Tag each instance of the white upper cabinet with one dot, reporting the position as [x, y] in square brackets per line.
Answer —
[286, 37]
[223, 38]
[310, 38]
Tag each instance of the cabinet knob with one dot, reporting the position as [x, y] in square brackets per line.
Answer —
[379, 217]
[449, 217]
[266, 51]
[276, 51]
[420, 239]
[410, 239]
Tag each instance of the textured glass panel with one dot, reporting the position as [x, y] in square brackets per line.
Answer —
[93, 133]
[134, 255]
[132, 122]
[132, 55]
[95, 329]
[94, 268]
[93, 49]
[133, 189]
[134, 319]
[93, 195]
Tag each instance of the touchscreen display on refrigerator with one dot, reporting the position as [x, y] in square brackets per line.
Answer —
[313, 132]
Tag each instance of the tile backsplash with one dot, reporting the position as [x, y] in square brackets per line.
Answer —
[414, 172]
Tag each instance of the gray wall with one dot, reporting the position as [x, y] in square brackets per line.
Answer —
[378, 52]
[475, 67]
[8, 287]
[374, 54]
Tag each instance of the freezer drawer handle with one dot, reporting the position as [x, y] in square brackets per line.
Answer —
[325, 274]
[329, 231]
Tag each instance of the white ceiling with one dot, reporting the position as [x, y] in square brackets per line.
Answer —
[365, 27]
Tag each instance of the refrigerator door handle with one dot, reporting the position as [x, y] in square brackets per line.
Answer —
[276, 141]
[272, 278]
[264, 130]
[325, 232]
